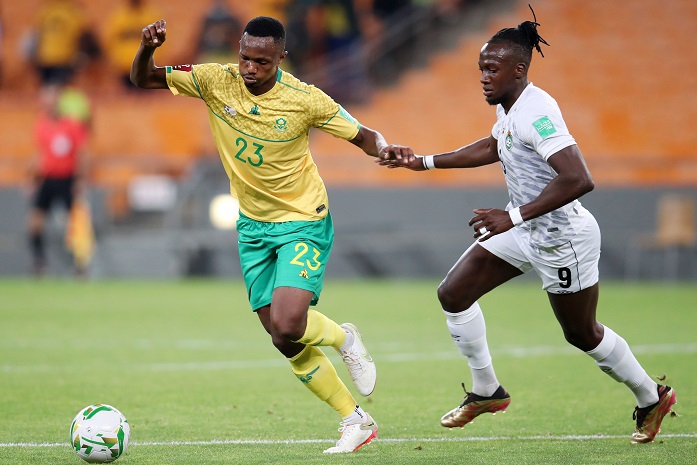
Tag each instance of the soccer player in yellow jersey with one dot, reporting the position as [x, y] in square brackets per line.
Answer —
[260, 117]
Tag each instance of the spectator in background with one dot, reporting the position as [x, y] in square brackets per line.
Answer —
[122, 35]
[1, 31]
[56, 42]
[387, 9]
[343, 40]
[325, 38]
[306, 34]
[218, 40]
[342, 25]
[396, 51]
[58, 170]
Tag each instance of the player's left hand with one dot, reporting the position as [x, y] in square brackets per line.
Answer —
[488, 222]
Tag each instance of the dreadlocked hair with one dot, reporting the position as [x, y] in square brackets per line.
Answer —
[524, 38]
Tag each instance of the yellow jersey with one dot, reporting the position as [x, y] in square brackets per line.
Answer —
[263, 140]
[123, 31]
[61, 24]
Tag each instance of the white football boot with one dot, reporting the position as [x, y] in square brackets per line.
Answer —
[354, 436]
[359, 363]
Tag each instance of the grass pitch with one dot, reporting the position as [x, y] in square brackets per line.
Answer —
[200, 383]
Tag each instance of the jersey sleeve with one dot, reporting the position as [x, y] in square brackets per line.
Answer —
[546, 132]
[192, 80]
[180, 80]
[332, 118]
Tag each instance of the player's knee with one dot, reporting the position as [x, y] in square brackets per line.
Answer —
[287, 331]
[581, 338]
[284, 345]
[278, 341]
[453, 298]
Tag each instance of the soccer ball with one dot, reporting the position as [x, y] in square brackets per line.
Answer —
[99, 433]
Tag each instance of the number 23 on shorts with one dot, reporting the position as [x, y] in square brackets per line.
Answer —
[303, 256]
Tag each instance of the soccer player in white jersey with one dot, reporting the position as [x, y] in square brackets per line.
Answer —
[543, 228]
[261, 117]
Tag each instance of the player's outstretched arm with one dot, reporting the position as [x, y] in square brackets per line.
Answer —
[480, 153]
[374, 144]
[144, 73]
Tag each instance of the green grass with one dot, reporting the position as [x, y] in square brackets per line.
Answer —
[189, 365]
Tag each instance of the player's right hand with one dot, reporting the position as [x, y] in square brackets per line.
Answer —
[412, 162]
[154, 35]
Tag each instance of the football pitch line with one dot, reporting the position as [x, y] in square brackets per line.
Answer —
[266, 442]
[393, 357]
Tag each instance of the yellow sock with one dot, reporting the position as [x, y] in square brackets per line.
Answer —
[316, 372]
[321, 331]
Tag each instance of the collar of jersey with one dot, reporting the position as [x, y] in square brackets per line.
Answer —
[520, 98]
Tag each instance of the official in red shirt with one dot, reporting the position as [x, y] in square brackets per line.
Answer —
[60, 143]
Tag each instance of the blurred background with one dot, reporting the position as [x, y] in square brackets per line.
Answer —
[622, 72]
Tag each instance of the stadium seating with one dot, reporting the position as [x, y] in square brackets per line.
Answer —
[675, 237]
[621, 71]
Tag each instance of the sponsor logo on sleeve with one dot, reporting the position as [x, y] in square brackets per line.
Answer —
[544, 127]
[185, 68]
[347, 116]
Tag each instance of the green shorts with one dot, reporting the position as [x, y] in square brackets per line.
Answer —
[292, 254]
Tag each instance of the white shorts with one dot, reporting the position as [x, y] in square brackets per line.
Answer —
[564, 269]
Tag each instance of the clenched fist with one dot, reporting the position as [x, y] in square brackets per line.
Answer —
[154, 34]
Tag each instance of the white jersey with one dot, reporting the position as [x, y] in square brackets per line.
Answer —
[531, 132]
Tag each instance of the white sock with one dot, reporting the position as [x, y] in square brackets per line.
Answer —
[468, 331]
[615, 358]
[348, 342]
[357, 416]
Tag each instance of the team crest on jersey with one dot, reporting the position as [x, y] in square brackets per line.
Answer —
[509, 141]
[281, 125]
[185, 68]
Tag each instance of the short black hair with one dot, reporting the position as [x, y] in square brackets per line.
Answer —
[522, 38]
[265, 26]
